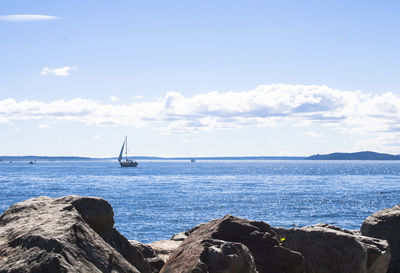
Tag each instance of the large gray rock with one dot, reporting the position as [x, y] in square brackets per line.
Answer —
[385, 224]
[211, 256]
[378, 250]
[227, 257]
[180, 236]
[151, 255]
[378, 254]
[68, 234]
[230, 244]
[330, 249]
[164, 248]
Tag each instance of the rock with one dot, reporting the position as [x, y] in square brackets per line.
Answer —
[99, 214]
[151, 255]
[212, 256]
[378, 250]
[330, 249]
[221, 256]
[385, 224]
[68, 234]
[165, 248]
[180, 236]
[247, 240]
[378, 254]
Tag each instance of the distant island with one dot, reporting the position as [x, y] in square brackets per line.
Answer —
[367, 155]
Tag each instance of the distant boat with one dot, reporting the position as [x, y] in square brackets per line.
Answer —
[32, 162]
[127, 162]
[192, 160]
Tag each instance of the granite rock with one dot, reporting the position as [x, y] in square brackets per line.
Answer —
[68, 234]
[164, 248]
[150, 254]
[385, 224]
[240, 236]
[330, 249]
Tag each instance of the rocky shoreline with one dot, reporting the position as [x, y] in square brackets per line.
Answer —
[77, 234]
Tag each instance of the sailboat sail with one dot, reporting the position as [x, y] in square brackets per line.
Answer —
[122, 150]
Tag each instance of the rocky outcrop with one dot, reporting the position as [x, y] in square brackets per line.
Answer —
[77, 234]
[378, 250]
[180, 236]
[68, 234]
[378, 254]
[235, 245]
[212, 256]
[163, 249]
[330, 249]
[150, 254]
[385, 224]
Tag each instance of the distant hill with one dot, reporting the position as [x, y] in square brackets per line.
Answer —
[355, 156]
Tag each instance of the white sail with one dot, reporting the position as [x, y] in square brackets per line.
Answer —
[122, 150]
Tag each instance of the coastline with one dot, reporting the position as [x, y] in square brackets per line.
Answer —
[72, 224]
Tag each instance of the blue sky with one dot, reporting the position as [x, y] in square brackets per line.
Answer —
[209, 78]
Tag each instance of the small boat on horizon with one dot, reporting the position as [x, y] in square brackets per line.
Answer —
[192, 160]
[127, 162]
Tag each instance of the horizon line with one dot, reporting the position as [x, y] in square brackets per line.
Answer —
[152, 156]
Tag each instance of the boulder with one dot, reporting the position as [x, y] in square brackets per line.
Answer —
[99, 214]
[238, 244]
[180, 236]
[385, 224]
[330, 249]
[68, 234]
[227, 257]
[378, 254]
[150, 254]
[211, 256]
[164, 248]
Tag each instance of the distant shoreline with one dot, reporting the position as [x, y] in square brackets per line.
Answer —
[365, 155]
[78, 158]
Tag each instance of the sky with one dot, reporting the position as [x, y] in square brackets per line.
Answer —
[199, 78]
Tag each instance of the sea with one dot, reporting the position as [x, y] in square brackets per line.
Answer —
[161, 198]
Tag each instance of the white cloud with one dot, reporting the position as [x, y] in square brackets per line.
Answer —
[303, 123]
[189, 140]
[3, 120]
[114, 99]
[371, 118]
[96, 137]
[43, 126]
[313, 134]
[61, 71]
[26, 17]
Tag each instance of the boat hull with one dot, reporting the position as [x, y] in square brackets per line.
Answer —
[128, 164]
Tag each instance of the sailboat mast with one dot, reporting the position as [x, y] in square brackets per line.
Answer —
[126, 147]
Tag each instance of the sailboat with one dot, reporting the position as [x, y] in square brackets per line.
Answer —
[127, 162]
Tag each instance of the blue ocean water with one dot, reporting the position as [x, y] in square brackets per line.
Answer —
[161, 198]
